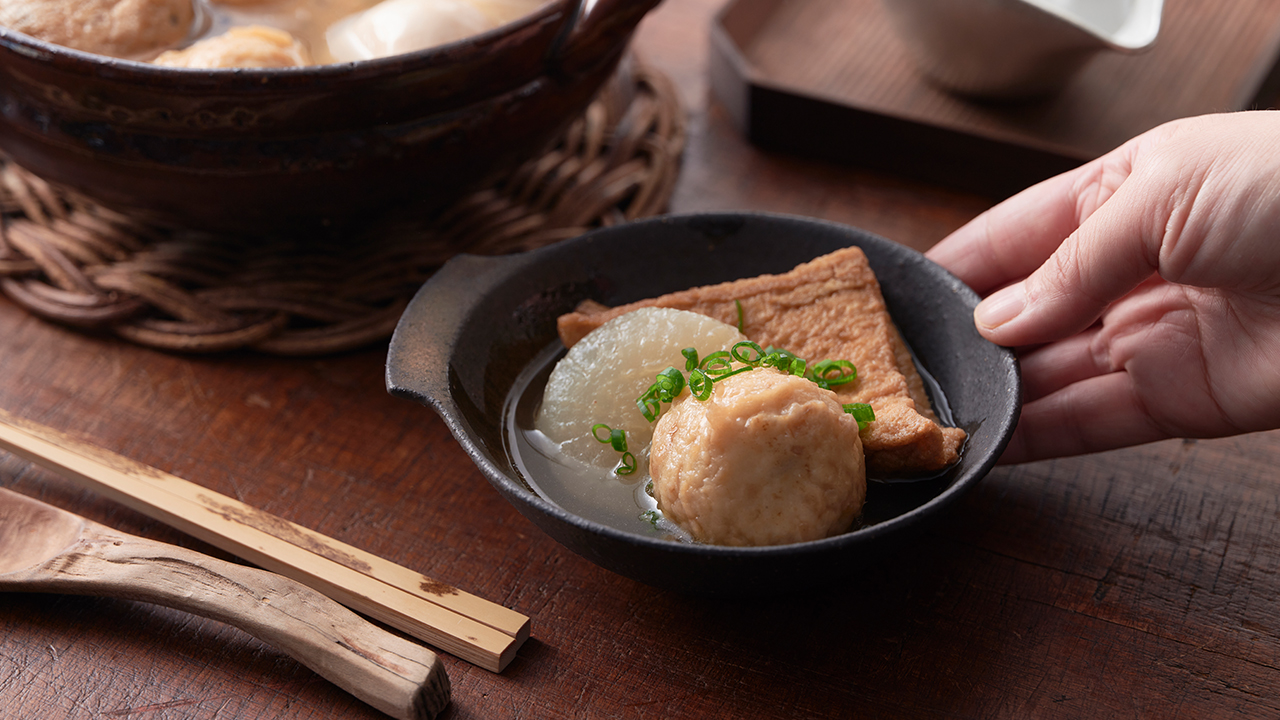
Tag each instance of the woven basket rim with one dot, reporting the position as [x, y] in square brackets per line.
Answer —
[72, 261]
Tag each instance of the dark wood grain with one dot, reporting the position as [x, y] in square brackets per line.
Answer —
[1138, 583]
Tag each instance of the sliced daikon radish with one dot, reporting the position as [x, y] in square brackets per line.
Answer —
[602, 375]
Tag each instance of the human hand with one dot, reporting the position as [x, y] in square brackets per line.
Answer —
[1142, 289]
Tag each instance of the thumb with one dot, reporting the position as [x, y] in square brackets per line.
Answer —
[1110, 254]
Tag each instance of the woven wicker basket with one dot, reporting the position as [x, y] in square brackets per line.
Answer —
[74, 262]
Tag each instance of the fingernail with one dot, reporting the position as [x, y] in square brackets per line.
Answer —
[1001, 307]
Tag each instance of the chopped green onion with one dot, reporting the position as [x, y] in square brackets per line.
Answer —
[833, 372]
[652, 516]
[780, 359]
[618, 440]
[649, 405]
[667, 386]
[798, 366]
[595, 433]
[743, 357]
[717, 363]
[861, 412]
[731, 373]
[738, 304]
[717, 366]
[690, 358]
[670, 383]
[628, 464]
[700, 384]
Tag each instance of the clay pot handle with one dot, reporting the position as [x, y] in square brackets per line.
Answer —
[599, 32]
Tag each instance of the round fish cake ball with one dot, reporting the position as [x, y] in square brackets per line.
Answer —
[768, 459]
[254, 46]
[118, 28]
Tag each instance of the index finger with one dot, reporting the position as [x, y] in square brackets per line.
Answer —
[1010, 240]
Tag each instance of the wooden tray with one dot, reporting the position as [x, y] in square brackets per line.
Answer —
[828, 79]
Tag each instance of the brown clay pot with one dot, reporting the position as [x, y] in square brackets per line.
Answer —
[302, 149]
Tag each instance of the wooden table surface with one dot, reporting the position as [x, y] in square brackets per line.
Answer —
[1137, 583]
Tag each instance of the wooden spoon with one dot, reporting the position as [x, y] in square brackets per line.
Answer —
[44, 549]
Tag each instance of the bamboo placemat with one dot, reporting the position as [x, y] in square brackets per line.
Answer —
[71, 261]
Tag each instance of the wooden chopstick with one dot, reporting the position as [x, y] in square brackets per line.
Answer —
[476, 630]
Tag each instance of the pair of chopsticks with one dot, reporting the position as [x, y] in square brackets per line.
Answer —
[476, 630]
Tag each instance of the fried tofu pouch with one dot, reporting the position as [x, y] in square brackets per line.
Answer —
[826, 309]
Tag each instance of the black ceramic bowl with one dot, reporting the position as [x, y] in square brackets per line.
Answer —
[299, 149]
[480, 322]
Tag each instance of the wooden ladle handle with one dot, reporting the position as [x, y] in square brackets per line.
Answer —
[401, 678]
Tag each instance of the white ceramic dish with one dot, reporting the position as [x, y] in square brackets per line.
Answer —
[1018, 48]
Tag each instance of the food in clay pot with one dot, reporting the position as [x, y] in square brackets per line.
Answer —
[249, 47]
[118, 28]
[317, 152]
[394, 27]
[257, 33]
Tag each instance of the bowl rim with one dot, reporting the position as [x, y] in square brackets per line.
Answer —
[140, 70]
[514, 489]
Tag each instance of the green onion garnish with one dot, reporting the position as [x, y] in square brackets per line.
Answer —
[738, 304]
[595, 433]
[652, 516]
[716, 366]
[618, 440]
[700, 384]
[731, 373]
[780, 359]
[798, 366]
[615, 438]
[628, 464]
[670, 383]
[861, 412]
[715, 358]
[833, 372]
[649, 405]
[690, 358]
[740, 353]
